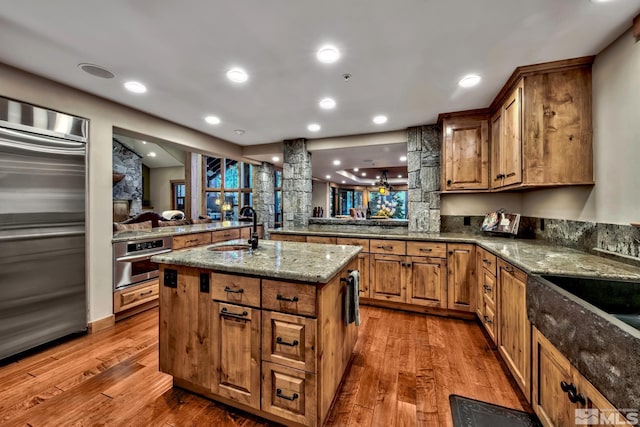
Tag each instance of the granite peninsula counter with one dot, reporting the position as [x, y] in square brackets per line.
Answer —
[270, 331]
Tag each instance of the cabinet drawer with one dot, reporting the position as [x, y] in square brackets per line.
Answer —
[245, 233]
[321, 239]
[488, 261]
[235, 289]
[223, 235]
[488, 287]
[489, 320]
[288, 237]
[289, 393]
[191, 240]
[135, 295]
[289, 340]
[364, 243]
[392, 247]
[428, 249]
[294, 298]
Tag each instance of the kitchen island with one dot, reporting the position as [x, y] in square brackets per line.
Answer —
[264, 330]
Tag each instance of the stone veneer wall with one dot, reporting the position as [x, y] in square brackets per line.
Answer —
[128, 163]
[423, 166]
[263, 195]
[296, 184]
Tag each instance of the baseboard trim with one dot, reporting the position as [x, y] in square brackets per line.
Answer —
[101, 324]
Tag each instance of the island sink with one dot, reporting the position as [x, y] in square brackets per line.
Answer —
[229, 247]
[618, 298]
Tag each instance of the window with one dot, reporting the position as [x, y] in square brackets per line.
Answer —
[177, 195]
[228, 187]
[278, 198]
[348, 199]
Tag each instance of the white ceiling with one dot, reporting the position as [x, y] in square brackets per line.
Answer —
[163, 158]
[405, 57]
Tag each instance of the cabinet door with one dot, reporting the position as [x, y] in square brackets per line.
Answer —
[465, 154]
[427, 281]
[236, 353]
[514, 328]
[550, 370]
[511, 141]
[185, 318]
[363, 268]
[461, 281]
[495, 176]
[387, 278]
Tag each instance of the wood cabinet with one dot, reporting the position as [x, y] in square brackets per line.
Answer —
[321, 239]
[224, 235]
[514, 328]
[191, 240]
[135, 296]
[487, 291]
[427, 281]
[288, 237]
[236, 355]
[540, 131]
[559, 389]
[363, 262]
[465, 151]
[388, 277]
[461, 286]
[506, 141]
[185, 322]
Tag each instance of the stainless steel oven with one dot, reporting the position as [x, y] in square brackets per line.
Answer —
[131, 263]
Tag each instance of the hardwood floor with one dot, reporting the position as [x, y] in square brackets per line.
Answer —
[404, 368]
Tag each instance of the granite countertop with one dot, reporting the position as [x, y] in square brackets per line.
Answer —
[389, 222]
[305, 262]
[124, 236]
[532, 256]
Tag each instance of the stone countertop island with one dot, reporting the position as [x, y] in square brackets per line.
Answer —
[269, 331]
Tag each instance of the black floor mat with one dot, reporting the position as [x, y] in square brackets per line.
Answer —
[473, 413]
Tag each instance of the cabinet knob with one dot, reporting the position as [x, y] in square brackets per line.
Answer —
[450, 252]
[575, 397]
[566, 387]
[448, 182]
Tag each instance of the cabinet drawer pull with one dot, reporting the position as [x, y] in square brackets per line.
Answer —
[575, 397]
[425, 250]
[281, 298]
[282, 396]
[191, 241]
[241, 316]
[231, 291]
[385, 247]
[508, 269]
[149, 292]
[279, 340]
[488, 320]
[486, 288]
[486, 261]
[567, 387]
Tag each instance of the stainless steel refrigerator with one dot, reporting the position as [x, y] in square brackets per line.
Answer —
[42, 226]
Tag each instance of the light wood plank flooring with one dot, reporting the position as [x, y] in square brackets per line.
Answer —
[403, 370]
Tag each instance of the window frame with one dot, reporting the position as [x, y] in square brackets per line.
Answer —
[240, 190]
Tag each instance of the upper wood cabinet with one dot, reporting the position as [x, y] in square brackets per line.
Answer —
[465, 151]
[540, 132]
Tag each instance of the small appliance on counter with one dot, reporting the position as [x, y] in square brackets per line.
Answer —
[501, 222]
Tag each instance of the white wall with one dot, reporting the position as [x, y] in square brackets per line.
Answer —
[161, 186]
[320, 196]
[104, 116]
[479, 204]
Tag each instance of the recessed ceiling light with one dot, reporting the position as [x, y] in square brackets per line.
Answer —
[237, 75]
[239, 131]
[96, 71]
[363, 174]
[399, 176]
[212, 120]
[328, 54]
[344, 182]
[380, 120]
[275, 158]
[336, 162]
[600, 1]
[469, 81]
[327, 103]
[356, 169]
[328, 176]
[403, 158]
[313, 127]
[151, 154]
[135, 87]
[144, 142]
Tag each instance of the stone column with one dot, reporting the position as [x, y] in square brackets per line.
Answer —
[296, 184]
[263, 196]
[423, 166]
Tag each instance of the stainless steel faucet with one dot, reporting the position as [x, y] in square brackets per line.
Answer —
[253, 241]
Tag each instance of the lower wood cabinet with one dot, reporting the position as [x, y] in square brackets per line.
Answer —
[559, 389]
[388, 277]
[427, 281]
[289, 340]
[289, 393]
[461, 260]
[191, 240]
[135, 296]
[236, 355]
[514, 328]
